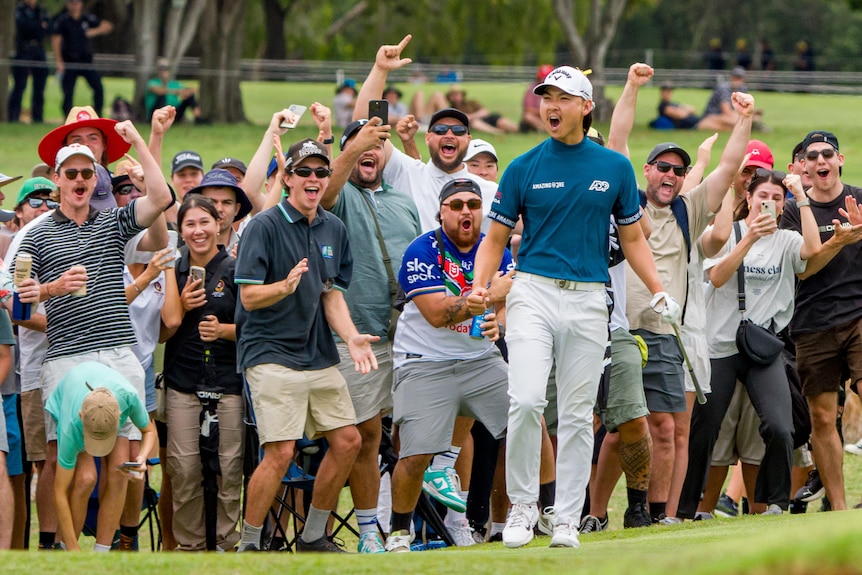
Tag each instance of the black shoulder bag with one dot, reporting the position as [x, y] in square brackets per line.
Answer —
[758, 344]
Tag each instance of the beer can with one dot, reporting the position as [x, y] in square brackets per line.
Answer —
[476, 326]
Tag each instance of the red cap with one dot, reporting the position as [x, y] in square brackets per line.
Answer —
[759, 155]
[543, 72]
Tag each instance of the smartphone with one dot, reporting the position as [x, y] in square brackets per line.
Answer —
[380, 109]
[768, 207]
[298, 110]
[196, 272]
[128, 465]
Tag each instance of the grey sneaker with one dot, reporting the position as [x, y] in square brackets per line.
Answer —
[546, 521]
[773, 509]
[703, 516]
[592, 524]
[854, 448]
[669, 520]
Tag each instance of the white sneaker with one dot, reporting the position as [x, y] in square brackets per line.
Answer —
[773, 509]
[565, 536]
[398, 542]
[519, 525]
[854, 448]
[461, 534]
[546, 521]
[370, 543]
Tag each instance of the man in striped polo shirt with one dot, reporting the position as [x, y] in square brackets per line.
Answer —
[78, 257]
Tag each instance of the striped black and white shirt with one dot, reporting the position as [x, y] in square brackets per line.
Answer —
[99, 320]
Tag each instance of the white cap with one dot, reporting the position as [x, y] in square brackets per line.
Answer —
[569, 80]
[477, 147]
[72, 150]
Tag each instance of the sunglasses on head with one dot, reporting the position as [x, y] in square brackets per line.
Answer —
[37, 203]
[306, 172]
[774, 174]
[458, 205]
[125, 189]
[825, 152]
[72, 173]
[665, 167]
[441, 129]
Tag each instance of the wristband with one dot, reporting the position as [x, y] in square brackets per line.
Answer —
[329, 141]
[137, 289]
[803, 203]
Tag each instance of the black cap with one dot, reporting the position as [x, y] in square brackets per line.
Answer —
[455, 186]
[796, 150]
[303, 149]
[820, 136]
[226, 163]
[350, 131]
[450, 113]
[669, 147]
[185, 159]
[392, 89]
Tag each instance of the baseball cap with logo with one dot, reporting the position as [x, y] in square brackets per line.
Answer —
[820, 136]
[72, 150]
[100, 416]
[759, 155]
[304, 149]
[570, 80]
[350, 131]
[457, 185]
[477, 147]
[84, 117]
[34, 186]
[224, 179]
[665, 147]
[226, 163]
[185, 159]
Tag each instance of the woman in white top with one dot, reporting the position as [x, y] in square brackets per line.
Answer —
[771, 258]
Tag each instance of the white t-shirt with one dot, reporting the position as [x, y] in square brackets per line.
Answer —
[771, 266]
[423, 182]
[145, 313]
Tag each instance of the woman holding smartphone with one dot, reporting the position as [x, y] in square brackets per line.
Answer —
[200, 373]
[771, 258]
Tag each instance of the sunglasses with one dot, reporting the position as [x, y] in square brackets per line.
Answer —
[458, 205]
[37, 203]
[827, 153]
[774, 174]
[125, 189]
[665, 167]
[306, 172]
[72, 174]
[441, 129]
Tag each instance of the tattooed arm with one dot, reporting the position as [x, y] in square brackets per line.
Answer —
[441, 310]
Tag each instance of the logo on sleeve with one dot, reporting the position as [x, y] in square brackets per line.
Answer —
[599, 186]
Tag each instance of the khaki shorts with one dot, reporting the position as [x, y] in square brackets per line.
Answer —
[287, 402]
[626, 399]
[739, 437]
[33, 415]
[370, 392]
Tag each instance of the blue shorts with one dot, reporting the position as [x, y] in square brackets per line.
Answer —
[15, 457]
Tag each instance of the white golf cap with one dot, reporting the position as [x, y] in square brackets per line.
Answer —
[569, 80]
[73, 150]
[477, 147]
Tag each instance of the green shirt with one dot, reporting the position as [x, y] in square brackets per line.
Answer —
[171, 98]
[64, 405]
[368, 294]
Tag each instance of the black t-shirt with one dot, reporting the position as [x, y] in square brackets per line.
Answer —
[832, 296]
[75, 45]
[185, 370]
[31, 28]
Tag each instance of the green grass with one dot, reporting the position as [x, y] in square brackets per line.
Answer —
[790, 116]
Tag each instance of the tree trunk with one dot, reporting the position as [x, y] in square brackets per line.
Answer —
[591, 51]
[181, 28]
[146, 49]
[221, 38]
[273, 21]
[7, 38]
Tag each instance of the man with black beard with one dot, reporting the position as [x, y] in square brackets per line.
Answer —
[447, 139]
[383, 221]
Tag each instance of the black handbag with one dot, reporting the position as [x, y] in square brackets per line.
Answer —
[758, 344]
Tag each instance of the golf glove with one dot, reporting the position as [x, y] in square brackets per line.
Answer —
[664, 304]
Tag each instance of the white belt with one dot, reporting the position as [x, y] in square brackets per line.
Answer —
[560, 283]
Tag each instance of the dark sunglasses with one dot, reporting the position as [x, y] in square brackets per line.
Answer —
[72, 173]
[306, 172]
[441, 129]
[125, 189]
[826, 152]
[774, 174]
[665, 167]
[37, 203]
[458, 205]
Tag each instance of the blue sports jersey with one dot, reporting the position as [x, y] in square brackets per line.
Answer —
[566, 193]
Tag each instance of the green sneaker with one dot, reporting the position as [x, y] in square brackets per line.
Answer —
[444, 486]
[370, 543]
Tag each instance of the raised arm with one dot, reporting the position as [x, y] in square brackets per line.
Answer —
[252, 184]
[623, 117]
[158, 196]
[719, 180]
[842, 236]
[704, 154]
[367, 138]
[163, 119]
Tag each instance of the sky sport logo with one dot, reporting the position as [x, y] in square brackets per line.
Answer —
[599, 186]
